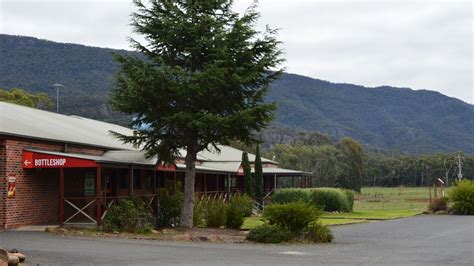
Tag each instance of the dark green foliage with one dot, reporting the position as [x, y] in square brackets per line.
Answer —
[258, 176]
[438, 204]
[294, 216]
[462, 197]
[170, 204]
[327, 199]
[235, 216]
[353, 164]
[249, 183]
[18, 96]
[203, 83]
[339, 164]
[319, 233]
[268, 234]
[215, 213]
[128, 215]
[350, 198]
[386, 169]
[287, 195]
[244, 202]
[198, 217]
[330, 199]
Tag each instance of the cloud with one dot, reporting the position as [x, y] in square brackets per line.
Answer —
[417, 44]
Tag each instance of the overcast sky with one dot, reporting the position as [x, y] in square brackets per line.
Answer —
[420, 44]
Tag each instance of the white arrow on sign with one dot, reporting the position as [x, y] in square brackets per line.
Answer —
[27, 162]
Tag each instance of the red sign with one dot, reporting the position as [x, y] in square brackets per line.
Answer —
[41, 160]
[166, 167]
[11, 186]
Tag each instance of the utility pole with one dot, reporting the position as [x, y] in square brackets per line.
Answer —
[459, 167]
[57, 86]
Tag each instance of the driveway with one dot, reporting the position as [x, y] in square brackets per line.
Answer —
[433, 240]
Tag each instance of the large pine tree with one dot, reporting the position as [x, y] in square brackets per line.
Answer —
[201, 83]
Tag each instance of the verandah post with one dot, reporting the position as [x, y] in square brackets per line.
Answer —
[274, 183]
[154, 182]
[228, 187]
[98, 186]
[61, 196]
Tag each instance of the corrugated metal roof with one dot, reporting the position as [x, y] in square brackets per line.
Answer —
[228, 154]
[34, 123]
[232, 167]
[29, 122]
[280, 171]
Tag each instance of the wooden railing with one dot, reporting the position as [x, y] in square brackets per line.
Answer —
[215, 195]
[84, 209]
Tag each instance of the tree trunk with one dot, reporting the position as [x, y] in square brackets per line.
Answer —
[189, 180]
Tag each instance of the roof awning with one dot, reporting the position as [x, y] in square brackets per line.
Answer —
[33, 159]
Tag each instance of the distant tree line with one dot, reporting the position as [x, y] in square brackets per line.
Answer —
[347, 163]
[22, 97]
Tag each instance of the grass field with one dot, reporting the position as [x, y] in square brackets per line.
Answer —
[387, 203]
[374, 203]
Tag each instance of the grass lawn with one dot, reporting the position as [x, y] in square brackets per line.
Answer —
[378, 203]
[254, 221]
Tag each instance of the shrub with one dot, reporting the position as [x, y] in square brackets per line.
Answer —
[128, 215]
[215, 213]
[268, 234]
[198, 213]
[235, 216]
[294, 216]
[244, 202]
[438, 204]
[330, 199]
[319, 233]
[462, 196]
[170, 204]
[288, 195]
[350, 195]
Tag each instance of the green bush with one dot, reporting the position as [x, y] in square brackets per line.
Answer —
[128, 215]
[294, 216]
[215, 213]
[235, 216]
[438, 204]
[244, 202]
[330, 199]
[268, 234]
[327, 199]
[462, 197]
[170, 204]
[288, 195]
[198, 213]
[350, 195]
[319, 233]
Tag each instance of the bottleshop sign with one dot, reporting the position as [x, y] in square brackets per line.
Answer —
[42, 160]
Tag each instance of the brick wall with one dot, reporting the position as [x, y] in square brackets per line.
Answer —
[37, 190]
[3, 185]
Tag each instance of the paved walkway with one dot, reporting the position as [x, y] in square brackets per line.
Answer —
[420, 240]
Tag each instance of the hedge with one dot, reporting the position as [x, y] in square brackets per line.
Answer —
[327, 199]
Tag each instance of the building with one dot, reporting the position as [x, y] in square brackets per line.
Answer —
[59, 169]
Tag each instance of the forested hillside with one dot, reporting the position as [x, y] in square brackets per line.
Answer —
[388, 118]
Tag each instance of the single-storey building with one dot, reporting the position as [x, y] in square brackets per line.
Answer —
[60, 169]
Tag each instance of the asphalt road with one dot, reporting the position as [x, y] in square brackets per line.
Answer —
[420, 240]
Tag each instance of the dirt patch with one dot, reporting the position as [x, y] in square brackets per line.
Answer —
[211, 235]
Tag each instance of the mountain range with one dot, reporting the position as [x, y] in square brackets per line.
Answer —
[398, 119]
